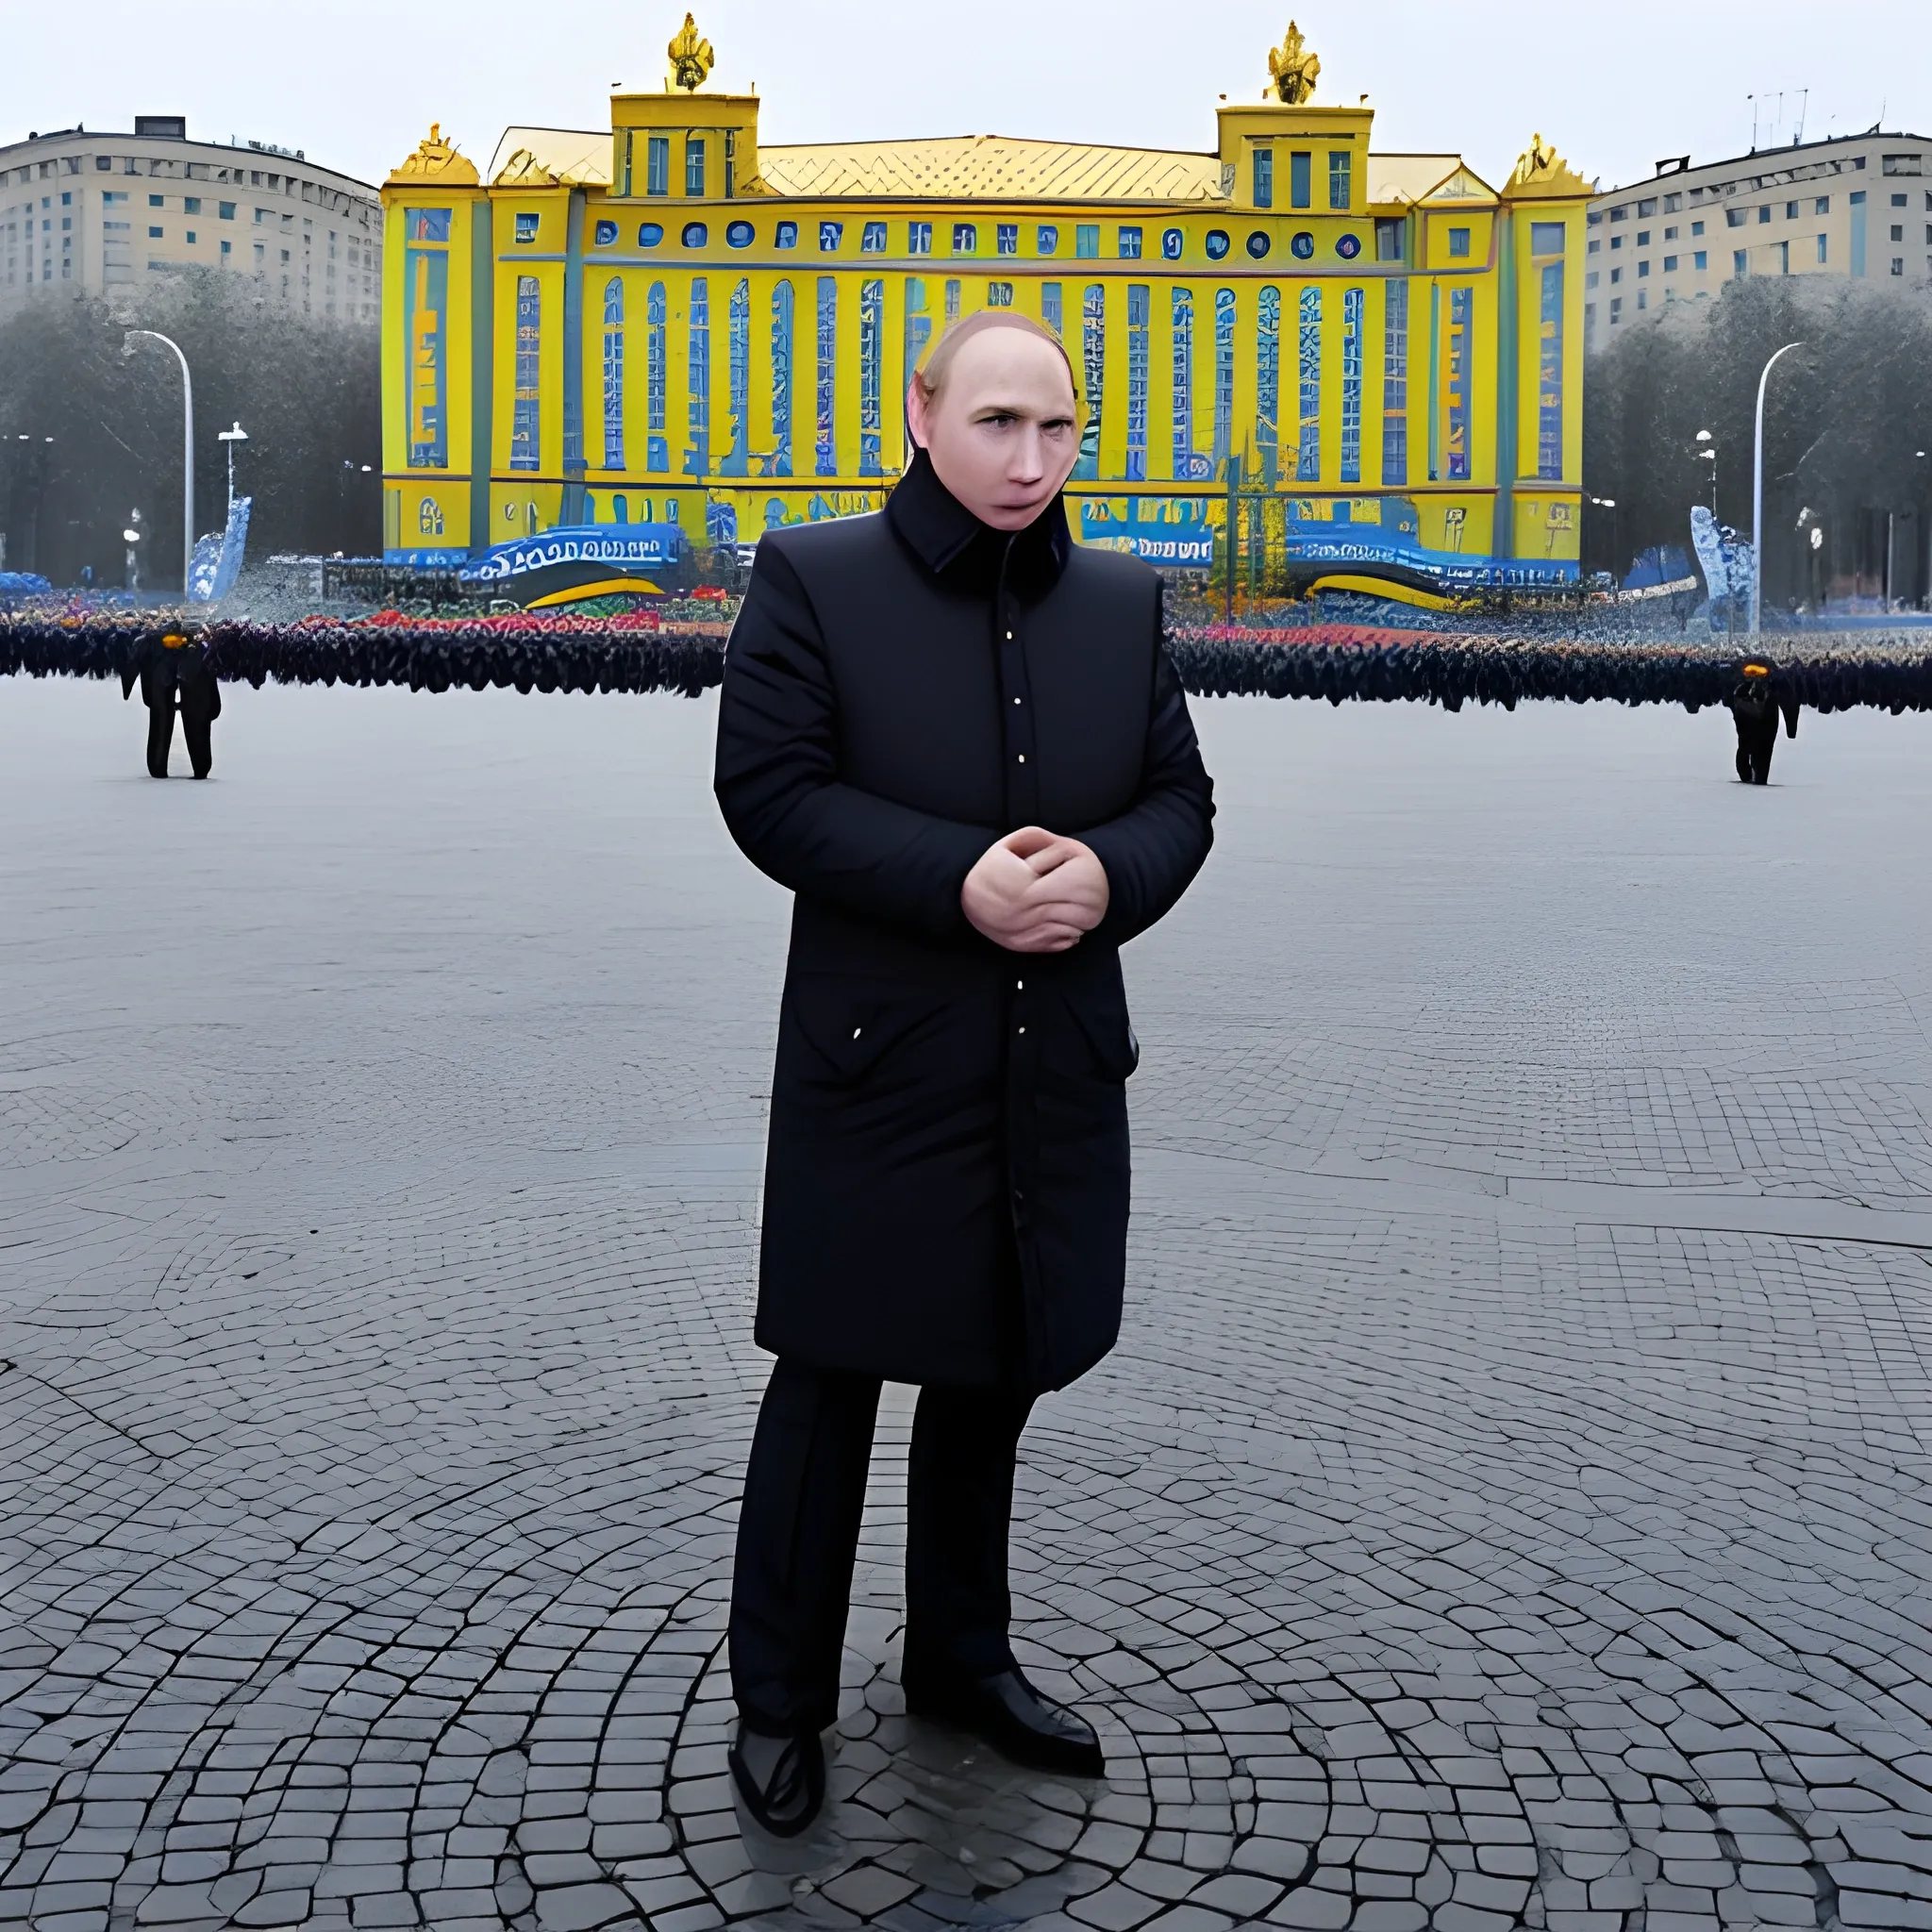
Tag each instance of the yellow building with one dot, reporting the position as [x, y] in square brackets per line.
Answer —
[1368, 362]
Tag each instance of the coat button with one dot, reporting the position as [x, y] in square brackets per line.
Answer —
[1019, 986]
[1010, 637]
[857, 1031]
[1018, 701]
[1022, 757]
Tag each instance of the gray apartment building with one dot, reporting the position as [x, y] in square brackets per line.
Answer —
[87, 213]
[1859, 206]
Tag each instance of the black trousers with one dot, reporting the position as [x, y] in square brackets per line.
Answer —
[798, 1535]
[1757, 740]
[197, 731]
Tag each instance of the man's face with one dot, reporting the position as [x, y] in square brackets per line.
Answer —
[1001, 432]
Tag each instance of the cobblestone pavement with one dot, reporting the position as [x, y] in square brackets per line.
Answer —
[1507, 1506]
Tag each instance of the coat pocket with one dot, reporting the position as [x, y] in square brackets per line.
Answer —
[849, 1026]
[1110, 1034]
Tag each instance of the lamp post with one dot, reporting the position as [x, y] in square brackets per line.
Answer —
[1758, 492]
[187, 447]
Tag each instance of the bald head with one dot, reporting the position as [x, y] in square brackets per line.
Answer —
[994, 409]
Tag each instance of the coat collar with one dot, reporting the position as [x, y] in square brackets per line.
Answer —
[951, 541]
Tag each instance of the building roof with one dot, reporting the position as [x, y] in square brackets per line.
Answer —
[546, 156]
[991, 167]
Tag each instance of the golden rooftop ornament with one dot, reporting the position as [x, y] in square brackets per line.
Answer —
[692, 57]
[1292, 69]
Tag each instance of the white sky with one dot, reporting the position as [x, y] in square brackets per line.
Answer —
[355, 84]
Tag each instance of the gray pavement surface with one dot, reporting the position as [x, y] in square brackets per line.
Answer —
[1508, 1505]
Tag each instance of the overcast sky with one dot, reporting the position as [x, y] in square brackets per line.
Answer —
[1614, 87]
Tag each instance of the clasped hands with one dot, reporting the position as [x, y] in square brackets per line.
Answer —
[1034, 891]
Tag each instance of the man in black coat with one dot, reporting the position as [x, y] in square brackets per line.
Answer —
[957, 739]
[1755, 707]
[172, 667]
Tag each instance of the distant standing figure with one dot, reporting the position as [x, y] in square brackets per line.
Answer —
[174, 668]
[1755, 705]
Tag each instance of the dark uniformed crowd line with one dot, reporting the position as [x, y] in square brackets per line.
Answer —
[1339, 663]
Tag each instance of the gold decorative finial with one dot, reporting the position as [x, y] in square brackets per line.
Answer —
[1291, 68]
[1542, 171]
[436, 159]
[692, 57]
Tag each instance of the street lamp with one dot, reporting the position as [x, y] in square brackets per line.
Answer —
[187, 447]
[1758, 493]
[231, 437]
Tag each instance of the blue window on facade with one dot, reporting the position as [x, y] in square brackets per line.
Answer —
[965, 237]
[695, 234]
[527, 228]
[1086, 239]
[951, 300]
[658, 165]
[694, 165]
[785, 235]
[1268, 382]
[1340, 170]
[872, 345]
[697, 459]
[1461, 311]
[613, 372]
[1171, 243]
[1006, 237]
[782, 318]
[650, 234]
[426, 331]
[1351, 452]
[1182, 320]
[1051, 310]
[1308, 461]
[1093, 368]
[1300, 193]
[527, 374]
[1459, 241]
[918, 237]
[1264, 177]
[1139, 305]
[1216, 245]
[830, 235]
[738, 379]
[1396, 381]
[1223, 376]
[607, 234]
[1549, 412]
[999, 294]
[918, 328]
[656, 359]
[1260, 241]
[826, 445]
[873, 240]
[1046, 239]
[739, 234]
[1130, 244]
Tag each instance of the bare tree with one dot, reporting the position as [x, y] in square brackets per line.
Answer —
[307, 392]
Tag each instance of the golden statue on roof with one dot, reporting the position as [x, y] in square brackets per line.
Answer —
[436, 158]
[1291, 68]
[1543, 171]
[692, 57]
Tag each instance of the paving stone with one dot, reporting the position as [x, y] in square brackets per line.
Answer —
[1504, 1448]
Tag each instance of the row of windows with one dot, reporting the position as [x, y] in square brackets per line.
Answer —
[1301, 167]
[1128, 239]
[1642, 239]
[1286, 432]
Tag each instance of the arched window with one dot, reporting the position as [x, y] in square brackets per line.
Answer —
[1308, 462]
[1094, 366]
[613, 372]
[1223, 376]
[1182, 317]
[1352, 385]
[782, 306]
[1268, 381]
[697, 457]
[657, 447]
[737, 460]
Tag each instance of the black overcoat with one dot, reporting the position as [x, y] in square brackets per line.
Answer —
[947, 1178]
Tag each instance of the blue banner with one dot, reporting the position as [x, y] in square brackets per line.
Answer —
[626, 547]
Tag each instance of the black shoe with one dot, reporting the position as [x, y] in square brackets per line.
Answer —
[1011, 1716]
[792, 1790]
